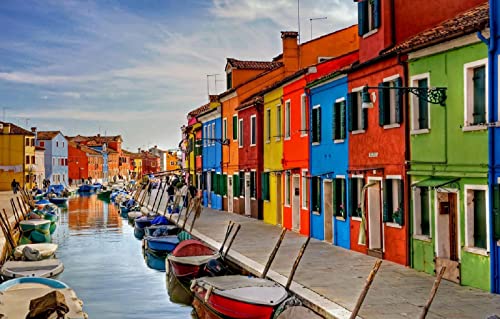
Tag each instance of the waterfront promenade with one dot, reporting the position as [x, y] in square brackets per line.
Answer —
[5, 197]
[332, 277]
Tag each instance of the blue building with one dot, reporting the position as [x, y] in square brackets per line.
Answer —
[56, 156]
[329, 161]
[212, 178]
[494, 140]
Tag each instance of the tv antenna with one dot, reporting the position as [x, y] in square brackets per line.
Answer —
[311, 20]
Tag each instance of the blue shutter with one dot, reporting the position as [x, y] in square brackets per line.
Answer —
[318, 128]
[385, 208]
[362, 17]
[401, 196]
[382, 103]
[399, 101]
[376, 13]
[350, 190]
[350, 111]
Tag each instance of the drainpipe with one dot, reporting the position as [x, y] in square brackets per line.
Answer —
[308, 96]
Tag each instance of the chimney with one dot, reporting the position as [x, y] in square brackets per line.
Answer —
[33, 129]
[98, 135]
[290, 51]
[6, 128]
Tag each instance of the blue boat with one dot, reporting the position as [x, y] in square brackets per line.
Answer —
[59, 200]
[56, 189]
[140, 224]
[154, 259]
[86, 189]
[51, 283]
[42, 202]
[163, 243]
[165, 229]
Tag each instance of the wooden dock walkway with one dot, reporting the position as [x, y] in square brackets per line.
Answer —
[331, 277]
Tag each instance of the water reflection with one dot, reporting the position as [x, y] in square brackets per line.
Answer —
[104, 264]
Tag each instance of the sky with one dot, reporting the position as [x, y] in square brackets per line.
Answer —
[136, 68]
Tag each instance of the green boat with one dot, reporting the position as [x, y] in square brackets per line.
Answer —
[35, 231]
[32, 224]
[104, 194]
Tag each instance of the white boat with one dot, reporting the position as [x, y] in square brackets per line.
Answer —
[43, 268]
[16, 295]
[45, 251]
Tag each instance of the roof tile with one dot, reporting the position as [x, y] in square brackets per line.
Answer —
[253, 65]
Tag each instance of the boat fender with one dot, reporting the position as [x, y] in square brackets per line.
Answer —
[209, 292]
[193, 284]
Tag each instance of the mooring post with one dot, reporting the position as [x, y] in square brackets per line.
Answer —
[273, 253]
[368, 283]
[434, 289]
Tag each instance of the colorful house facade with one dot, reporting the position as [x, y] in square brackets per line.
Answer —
[56, 155]
[85, 162]
[39, 169]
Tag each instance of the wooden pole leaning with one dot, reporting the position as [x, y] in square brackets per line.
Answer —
[273, 253]
[197, 208]
[296, 264]
[434, 289]
[238, 226]
[7, 229]
[21, 209]
[366, 287]
[14, 210]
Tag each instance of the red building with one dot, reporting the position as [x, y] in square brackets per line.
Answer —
[84, 162]
[150, 163]
[377, 138]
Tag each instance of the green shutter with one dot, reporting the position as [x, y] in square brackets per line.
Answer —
[385, 205]
[364, 119]
[401, 208]
[362, 17]
[479, 109]
[318, 194]
[399, 101]
[235, 127]
[265, 186]
[382, 103]
[236, 185]
[342, 120]
[496, 211]
[480, 232]
[318, 128]
[334, 122]
[423, 109]
[350, 112]
[351, 203]
[335, 199]
[376, 13]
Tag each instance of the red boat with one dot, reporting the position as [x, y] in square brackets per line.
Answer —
[237, 297]
[189, 258]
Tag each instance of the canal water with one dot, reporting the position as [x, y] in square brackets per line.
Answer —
[103, 263]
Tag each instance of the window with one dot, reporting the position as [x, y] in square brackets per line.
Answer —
[287, 188]
[63, 144]
[393, 201]
[475, 93]
[368, 16]
[240, 137]
[268, 125]
[303, 115]
[339, 198]
[242, 184]
[421, 211]
[213, 134]
[204, 136]
[253, 130]
[390, 106]
[305, 190]
[27, 142]
[32, 142]
[420, 106]
[316, 124]
[229, 80]
[476, 224]
[224, 129]
[57, 143]
[355, 192]
[288, 121]
[265, 186]
[253, 184]
[278, 122]
[53, 161]
[357, 116]
[338, 120]
[42, 143]
[235, 127]
[236, 185]
[33, 160]
[223, 185]
[316, 194]
[27, 159]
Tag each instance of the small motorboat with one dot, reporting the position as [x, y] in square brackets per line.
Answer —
[104, 194]
[44, 251]
[42, 203]
[85, 188]
[139, 225]
[42, 268]
[132, 216]
[35, 231]
[166, 229]
[155, 259]
[189, 258]
[162, 243]
[59, 200]
[17, 294]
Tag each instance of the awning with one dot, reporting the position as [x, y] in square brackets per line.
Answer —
[435, 182]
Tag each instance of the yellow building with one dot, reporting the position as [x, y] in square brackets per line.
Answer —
[173, 162]
[273, 154]
[17, 156]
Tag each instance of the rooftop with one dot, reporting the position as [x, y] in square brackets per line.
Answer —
[46, 135]
[16, 130]
[253, 65]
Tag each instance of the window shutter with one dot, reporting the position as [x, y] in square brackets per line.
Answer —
[342, 120]
[479, 96]
[236, 185]
[362, 17]
[350, 190]
[350, 105]
[399, 101]
[385, 208]
[364, 119]
[235, 128]
[318, 194]
[263, 186]
[376, 13]
[401, 197]
[334, 121]
[382, 103]
[496, 212]
[335, 199]
[318, 127]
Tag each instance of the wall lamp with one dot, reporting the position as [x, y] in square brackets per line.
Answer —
[435, 95]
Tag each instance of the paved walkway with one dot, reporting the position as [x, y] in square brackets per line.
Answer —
[338, 275]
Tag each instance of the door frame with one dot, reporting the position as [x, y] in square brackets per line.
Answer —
[230, 193]
[295, 200]
[279, 199]
[436, 214]
[381, 196]
[209, 188]
[328, 227]
[248, 200]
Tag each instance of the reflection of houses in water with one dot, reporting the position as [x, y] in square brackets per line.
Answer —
[91, 213]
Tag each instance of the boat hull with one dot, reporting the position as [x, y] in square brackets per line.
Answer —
[44, 268]
[163, 244]
[178, 290]
[155, 260]
[59, 200]
[185, 269]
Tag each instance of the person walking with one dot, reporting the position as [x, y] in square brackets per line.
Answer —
[14, 185]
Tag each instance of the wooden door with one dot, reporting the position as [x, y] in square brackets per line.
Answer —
[296, 203]
[279, 204]
[447, 234]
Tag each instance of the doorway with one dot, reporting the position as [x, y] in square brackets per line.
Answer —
[375, 243]
[296, 203]
[248, 206]
[209, 189]
[279, 204]
[447, 235]
[328, 209]
[230, 194]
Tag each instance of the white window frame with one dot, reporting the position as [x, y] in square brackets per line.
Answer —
[357, 177]
[288, 119]
[414, 105]
[359, 120]
[287, 188]
[393, 96]
[469, 227]
[417, 229]
[303, 115]
[278, 122]
[253, 130]
[224, 129]
[469, 96]
[304, 199]
[213, 134]
[395, 193]
[317, 106]
[267, 118]
[205, 135]
[340, 100]
[240, 133]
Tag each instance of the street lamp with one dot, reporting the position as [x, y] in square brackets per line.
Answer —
[435, 95]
